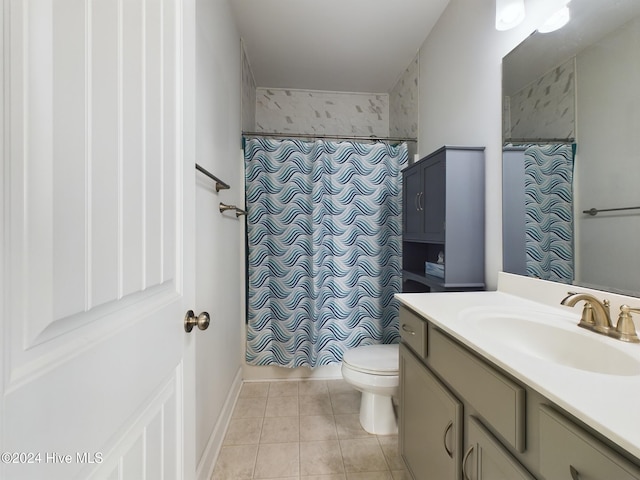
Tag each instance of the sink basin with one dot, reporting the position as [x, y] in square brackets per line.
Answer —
[541, 339]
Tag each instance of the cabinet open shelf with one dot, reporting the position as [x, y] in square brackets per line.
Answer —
[437, 284]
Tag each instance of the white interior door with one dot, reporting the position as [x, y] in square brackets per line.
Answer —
[97, 185]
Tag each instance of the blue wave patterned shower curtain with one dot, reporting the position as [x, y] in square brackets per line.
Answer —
[549, 212]
[324, 229]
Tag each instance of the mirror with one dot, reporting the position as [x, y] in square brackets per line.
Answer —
[572, 97]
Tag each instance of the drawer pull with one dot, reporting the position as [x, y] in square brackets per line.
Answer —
[464, 462]
[575, 475]
[444, 439]
[407, 329]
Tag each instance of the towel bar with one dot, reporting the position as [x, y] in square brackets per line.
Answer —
[224, 207]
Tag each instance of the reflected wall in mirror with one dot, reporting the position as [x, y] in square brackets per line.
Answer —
[577, 88]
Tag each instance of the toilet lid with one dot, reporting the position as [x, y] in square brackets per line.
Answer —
[374, 359]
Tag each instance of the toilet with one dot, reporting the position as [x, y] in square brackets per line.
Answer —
[373, 370]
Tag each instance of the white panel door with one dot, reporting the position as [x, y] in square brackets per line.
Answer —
[97, 189]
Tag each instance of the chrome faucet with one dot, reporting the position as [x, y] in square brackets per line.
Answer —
[595, 314]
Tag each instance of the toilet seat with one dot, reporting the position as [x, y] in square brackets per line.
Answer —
[373, 359]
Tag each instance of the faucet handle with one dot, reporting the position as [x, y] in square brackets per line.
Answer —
[626, 329]
[587, 319]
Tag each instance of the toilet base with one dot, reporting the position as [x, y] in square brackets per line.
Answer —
[377, 415]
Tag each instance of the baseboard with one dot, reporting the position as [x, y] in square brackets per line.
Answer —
[207, 463]
[254, 373]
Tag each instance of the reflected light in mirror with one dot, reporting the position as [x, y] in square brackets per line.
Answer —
[509, 13]
[556, 21]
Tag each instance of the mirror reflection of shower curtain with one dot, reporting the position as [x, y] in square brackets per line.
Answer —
[549, 212]
[324, 230]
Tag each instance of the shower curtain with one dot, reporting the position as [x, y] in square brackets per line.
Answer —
[549, 212]
[324, 248]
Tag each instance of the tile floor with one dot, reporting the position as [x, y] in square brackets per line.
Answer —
[306, 430]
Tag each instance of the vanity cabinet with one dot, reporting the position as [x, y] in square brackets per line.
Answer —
[567, 452]
[486, 459]
[454, 401]
[443, 216]
[430, 422]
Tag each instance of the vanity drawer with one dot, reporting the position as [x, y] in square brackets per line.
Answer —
[568, 452]
[413, 331]
[500, 401]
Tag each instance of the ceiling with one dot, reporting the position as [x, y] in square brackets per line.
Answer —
[333, 45]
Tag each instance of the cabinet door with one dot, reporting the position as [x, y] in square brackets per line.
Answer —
[430, 423]
[412, 203]
[434, 175]
[567, 452]
[486, 459]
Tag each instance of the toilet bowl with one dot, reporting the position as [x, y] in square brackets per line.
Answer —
[373, 370]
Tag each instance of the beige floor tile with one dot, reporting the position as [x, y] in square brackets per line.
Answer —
[348, 402]
[254, 389]
[362, 455]
[313, 387]
[249, 407]
[278, 460]
[400, 475]
[324, 477]
[282, 407]
[339, 386]
[317, 427]
[235, 461]
[243, 431]
[283, 389]
[315, 404]
[370, 476]
[320, 458]
[389, 445]
[280, 430]
[304, 430]
[348, 426]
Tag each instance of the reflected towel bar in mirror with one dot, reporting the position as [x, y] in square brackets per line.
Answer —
[594, 211]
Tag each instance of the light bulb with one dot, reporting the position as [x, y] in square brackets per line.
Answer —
[556, 21]
[509, 13]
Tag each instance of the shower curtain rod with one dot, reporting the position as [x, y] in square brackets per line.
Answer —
[329, 137]
[518, 142]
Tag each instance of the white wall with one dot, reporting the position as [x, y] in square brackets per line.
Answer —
[460, 96]
[219, 238]
[606, 161]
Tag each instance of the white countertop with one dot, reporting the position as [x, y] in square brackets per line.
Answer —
[610, 404]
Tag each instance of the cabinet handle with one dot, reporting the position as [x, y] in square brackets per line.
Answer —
[407, 329]
[575, 475]
[415, 201]
[444, 438]
[421, 203]
[464, 462]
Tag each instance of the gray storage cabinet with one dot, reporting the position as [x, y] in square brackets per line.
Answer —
[443, 212]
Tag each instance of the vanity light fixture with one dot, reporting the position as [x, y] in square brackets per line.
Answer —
[556, 21]
[509, 13]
